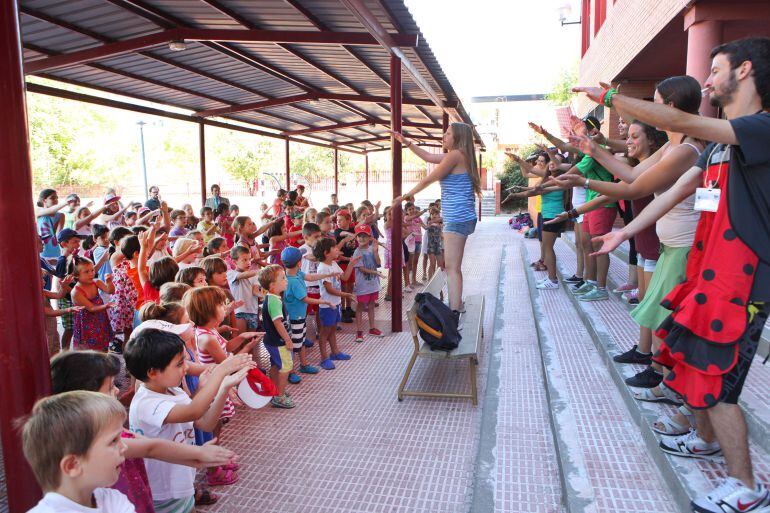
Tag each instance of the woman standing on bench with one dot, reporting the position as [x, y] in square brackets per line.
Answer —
[458, 174]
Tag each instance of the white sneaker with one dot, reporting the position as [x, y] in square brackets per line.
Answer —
[732, 495]
[690, 446]
[547, 284]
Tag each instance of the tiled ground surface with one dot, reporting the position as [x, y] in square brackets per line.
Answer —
[620, 473]
[625, 332]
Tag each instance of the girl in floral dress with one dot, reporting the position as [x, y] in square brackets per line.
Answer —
[125, 297]
[91, 329]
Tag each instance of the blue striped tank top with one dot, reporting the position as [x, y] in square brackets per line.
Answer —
[458, 203]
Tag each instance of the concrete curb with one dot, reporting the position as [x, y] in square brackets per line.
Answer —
[577, 493]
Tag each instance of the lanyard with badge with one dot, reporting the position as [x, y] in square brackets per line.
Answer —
[707, 197]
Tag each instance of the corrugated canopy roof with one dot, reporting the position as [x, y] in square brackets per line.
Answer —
[309, 69]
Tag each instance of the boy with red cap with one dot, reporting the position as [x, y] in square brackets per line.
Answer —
[366, 287]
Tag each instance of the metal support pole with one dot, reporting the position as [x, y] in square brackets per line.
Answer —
[288, 165]
[397, 254]
[366, 173]
[24, 370]
[336, 172]
[202, 158]
[481, 200]
[144, 159]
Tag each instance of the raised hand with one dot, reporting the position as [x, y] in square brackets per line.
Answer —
[236, 362]
[537, 128]
[400, 138]
[594, 93]
[584, 144]
[578, 126]
[558, 219]
[568, 181]
[233, 379]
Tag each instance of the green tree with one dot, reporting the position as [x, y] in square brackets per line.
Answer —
[512, 176]
[562, 91]
[314, 162]
[246, 162]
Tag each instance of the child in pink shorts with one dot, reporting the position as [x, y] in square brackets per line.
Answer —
[367, 284]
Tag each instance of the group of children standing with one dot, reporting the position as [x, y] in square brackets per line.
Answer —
[185, 306]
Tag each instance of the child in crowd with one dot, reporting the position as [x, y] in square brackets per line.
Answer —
[173, 291]
[277, 340]
[84, 216]
[326, 253]
[91, 327]
[367, 285]
[186, 252]
[197, 236]
[235, 211]
[414, 226]
[192, 276]
[297, 300]
[324, 221]
[389, 248]
[279, 236]
[191, 220]
[346, 238]
[246, 233]
[95, 372]
[310, 215]
[116, 256]
[225, 224]
[264, 213]
[126, 297]
[207, 226]
[435, 241]
[179, 222]
[216, 247]
[311, 233]
[69, 244]
[101, 250]
[161, 271]
[51, 331]
[160, 409]
[244, 287]
[72, 442]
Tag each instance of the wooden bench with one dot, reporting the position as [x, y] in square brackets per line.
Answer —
[472, 332]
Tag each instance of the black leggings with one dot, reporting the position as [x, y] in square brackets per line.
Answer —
[628, 215]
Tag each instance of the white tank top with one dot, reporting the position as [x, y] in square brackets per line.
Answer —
[676, 229]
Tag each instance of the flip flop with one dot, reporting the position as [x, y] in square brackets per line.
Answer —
[649, 396]
[666, 425]
[221, 477]
[205, 498]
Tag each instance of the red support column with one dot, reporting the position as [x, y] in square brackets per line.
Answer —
[701, 38]
[202, 158]
[336, 172]
[288, 166]
[397, 255]
[24, 369]
[366, 173]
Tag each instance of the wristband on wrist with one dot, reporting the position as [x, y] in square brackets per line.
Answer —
[573, 214]
[602, 96]
[608, 97]
[587, 184]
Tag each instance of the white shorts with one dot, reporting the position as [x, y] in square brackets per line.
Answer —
[647, 264]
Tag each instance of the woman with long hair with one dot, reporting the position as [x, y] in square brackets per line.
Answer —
[458, 174]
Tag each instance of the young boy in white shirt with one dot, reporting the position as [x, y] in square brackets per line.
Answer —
[161, 409]
[72, 442]
[244, 287]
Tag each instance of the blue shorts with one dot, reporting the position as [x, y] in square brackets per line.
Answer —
[252, 320]
[330, 316]
[463, 228]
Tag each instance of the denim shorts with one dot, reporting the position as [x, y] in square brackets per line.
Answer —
[252, 320]
[463, 228]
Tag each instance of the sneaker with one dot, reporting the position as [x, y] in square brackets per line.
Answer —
[387, 297]
[340, 356]
[626, 287]
[633, 356]
[547, 284]
[327, 364]
[375, 332]
[308, 343]
[733, 495]
[648, 378]
[690, 446]
[595, 294]
[351, 312]
[282, 401]
[631, 297]
[308, 369]
[359, 336]
[294, 378]
[585, 288]
[346, 318]
[573, 279]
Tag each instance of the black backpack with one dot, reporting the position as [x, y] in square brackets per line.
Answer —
[436, 323]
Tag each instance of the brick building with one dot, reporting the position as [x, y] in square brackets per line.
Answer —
[636, 43]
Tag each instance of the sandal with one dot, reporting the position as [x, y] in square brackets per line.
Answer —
[540, 267]
[666, 425]
[231, 466]
[205, 497]
[647, 395]
[221, 477]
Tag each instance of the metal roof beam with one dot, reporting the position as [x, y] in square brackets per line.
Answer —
[193, 34]
[312, 96]
[326, 128]
[375, 28]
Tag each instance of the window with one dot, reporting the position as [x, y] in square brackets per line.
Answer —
[585, 18]
[600, 13]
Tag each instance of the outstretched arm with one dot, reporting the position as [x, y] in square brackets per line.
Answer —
[433, 158]
[446, 165]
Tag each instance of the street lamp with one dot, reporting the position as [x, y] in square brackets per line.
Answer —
[144, 160]
[564, 11]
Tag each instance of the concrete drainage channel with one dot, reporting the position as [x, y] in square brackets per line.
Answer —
[577, 494]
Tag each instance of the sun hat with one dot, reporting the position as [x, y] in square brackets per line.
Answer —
[256, 389]
[157, 324]
[111, 198]
[290, 256]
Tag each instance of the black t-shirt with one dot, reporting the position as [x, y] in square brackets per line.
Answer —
[349, 247]
[749, 192]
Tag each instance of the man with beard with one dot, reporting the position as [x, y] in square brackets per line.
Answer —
[719, 310]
